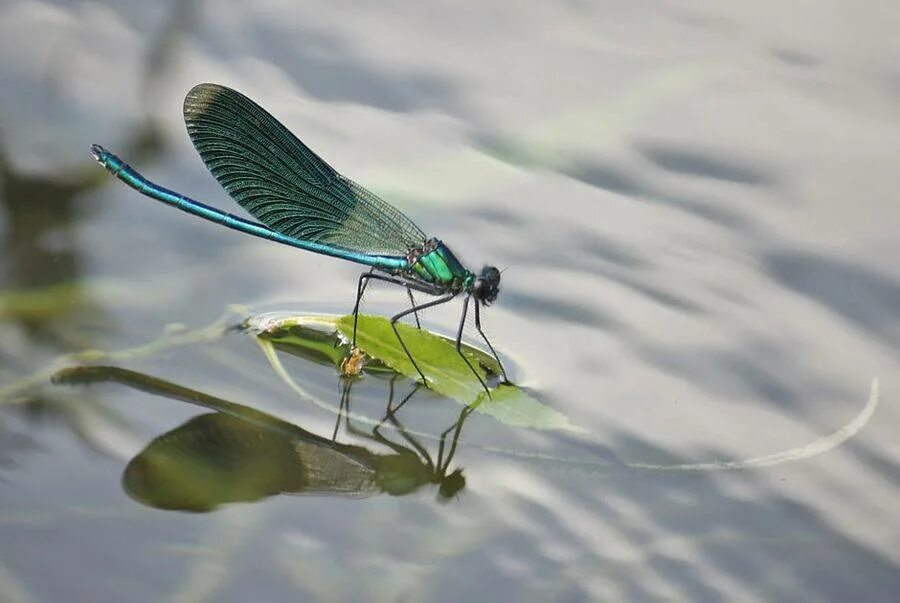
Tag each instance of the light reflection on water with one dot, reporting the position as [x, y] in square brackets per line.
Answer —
[694, 210]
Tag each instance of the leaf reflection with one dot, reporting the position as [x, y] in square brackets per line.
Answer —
[239, 454]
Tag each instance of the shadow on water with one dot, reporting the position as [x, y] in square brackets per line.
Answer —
[692, 162]
[619, 181]
[771, 544]
[867, 300]
[606, 177]
[593, 256]
[554, 309]
[726, 372]
[331, 70]
[796, 58]
[239, 454]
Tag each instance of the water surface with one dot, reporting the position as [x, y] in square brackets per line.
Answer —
[695, 207]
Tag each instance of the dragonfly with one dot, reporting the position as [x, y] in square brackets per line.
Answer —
[303, 202]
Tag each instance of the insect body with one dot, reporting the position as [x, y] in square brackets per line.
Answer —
[303, 202]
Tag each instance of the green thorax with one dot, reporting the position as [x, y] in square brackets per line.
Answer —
[435, 263]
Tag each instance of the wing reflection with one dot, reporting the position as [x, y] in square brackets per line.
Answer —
[239, 454]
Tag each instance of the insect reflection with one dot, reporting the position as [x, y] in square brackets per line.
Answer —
[409, 467]
[239, 454]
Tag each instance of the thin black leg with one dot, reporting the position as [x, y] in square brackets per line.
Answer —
[345, 405]
[420, 450]
[442, 466]
[413, 303]
[393, 409]
[360, 289]
[375, 435]
[483, 336]
[397, 317]
[364, 281]
[462, 324]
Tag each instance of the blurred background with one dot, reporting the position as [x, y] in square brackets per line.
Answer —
[695, 205]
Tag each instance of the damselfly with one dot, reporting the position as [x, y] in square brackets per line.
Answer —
[303, 202]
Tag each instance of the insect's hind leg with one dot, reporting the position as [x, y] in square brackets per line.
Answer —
[360, 289]
[363, 282]
[412, 302]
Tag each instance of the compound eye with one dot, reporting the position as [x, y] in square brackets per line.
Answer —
[478, 287]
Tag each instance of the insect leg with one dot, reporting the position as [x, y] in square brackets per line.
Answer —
[413, 303]
[360, 289]
[397, 317]
[442, 466]
[462, 324]
[344, 405]
[483, 336]
[363, 282]
[391, 409]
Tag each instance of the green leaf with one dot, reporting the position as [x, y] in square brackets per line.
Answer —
[447, 373]
[311, 344]
[514, 407]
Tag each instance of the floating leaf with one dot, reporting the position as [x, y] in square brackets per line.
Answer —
[314, 338]
[447, 373]
[310, 344]
[512, 406]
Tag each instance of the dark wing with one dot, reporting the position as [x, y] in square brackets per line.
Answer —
[327, 471]
[283, 184]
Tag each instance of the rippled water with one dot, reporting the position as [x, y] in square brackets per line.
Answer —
[695, 207]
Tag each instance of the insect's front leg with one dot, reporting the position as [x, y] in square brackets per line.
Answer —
[462, 324]
[483, 336]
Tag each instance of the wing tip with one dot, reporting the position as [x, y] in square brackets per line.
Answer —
[200, 96]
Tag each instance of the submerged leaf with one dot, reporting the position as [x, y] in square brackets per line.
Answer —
[41, 304]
